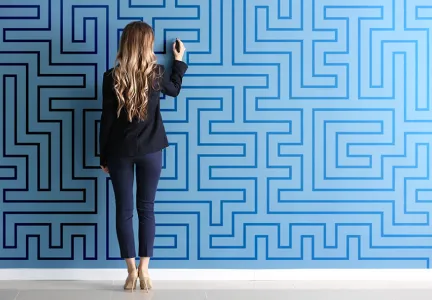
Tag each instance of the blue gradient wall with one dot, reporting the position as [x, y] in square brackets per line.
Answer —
[301, 138]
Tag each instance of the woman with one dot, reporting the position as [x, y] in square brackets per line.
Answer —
[132, 135]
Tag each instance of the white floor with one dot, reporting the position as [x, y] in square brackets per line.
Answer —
[221, 290]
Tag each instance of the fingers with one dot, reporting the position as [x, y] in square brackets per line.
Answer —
[181, 48]
[179, 53]
[105, 169]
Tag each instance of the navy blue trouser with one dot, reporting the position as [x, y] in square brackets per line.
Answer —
[148, 170]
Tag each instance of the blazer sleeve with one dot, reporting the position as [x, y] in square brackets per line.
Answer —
[171, 85]
[107, 117]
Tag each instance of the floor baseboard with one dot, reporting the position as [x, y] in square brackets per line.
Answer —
[222, 275]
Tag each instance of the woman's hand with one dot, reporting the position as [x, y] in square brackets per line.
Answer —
[178, 55]
[105, 169]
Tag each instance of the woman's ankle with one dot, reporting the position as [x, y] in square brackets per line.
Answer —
[131, 265]
[143, 266]
[143, 270]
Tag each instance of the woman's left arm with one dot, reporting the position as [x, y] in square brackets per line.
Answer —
[107, 117]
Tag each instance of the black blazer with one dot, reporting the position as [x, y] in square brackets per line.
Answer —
[118, 136]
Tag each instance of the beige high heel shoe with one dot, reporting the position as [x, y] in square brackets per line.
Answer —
[131, 280]
[145, 282]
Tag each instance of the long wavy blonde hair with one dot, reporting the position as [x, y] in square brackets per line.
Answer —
[136, 70]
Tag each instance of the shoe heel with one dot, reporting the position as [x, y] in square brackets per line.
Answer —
[145, 282]
[131, 282]
[145, 287]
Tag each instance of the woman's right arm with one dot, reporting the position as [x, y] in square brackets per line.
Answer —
[171, 86]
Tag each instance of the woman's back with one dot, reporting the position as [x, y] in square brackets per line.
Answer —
[129, 137]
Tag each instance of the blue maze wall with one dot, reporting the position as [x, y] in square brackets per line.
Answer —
[301, 138]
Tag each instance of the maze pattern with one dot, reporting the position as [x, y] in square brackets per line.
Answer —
[301, 138]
